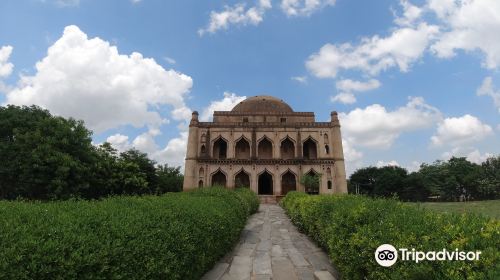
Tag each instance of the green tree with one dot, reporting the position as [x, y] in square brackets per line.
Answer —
[43, 156]
[170, 179]
[311, 182]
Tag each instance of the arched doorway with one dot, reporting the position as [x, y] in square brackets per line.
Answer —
[242, 179]
[200, 183]
[287, 149]
[288, 182]
[242, 149]
[220, 149]
[265, 183]
[219, 179]
[311, 182]
[309, 149]
[265, 149]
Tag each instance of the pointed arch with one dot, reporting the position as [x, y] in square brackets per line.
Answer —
[242, 179]
[265, 148]
[311, 181]
[220, 148]
[310, 148]
[201, 172]
[288, 182]
[287, 148]
[200, 184]
[242, 148]
[219, 178]
[265, 183]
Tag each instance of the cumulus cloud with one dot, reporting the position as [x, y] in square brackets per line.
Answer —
[236, 15]
[470, 25]
[472, 154]
[401, 49]
[348, 87]
[88, 79]
[225, 104]
[344, 98]
[376, 127]
[5, 66]
[304, 7]
[487, 89]
[382, 163]
[411, 13]
[353, 158]
[461, 130]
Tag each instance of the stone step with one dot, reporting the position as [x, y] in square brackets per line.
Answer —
[267, 199]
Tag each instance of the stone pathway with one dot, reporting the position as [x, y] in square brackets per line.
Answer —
[270, 247]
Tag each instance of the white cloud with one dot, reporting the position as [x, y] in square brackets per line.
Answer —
[304, 7]
[488, 90]
[5, 66]
[350, 85]
[88, 79]
[469, 25]
[382, 163]
[300, 79]
[225, 104]
[344, 98]
[472, 154]
[236, 15]
[402, 48]
[119, 142]
[352, 157]
[411, 14]
[376, 127]
[461, 130]
[414, 166]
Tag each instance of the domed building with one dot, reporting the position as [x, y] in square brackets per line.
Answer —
[266, 146]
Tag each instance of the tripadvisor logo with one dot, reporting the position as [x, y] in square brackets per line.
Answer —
[386, 255]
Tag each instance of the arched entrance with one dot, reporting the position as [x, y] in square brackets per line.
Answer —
[219, 179]
[220, 149]
[242, 179]
[287, 149]
[288, 182]
[242, 149]
[265, 150]
[266, 183]
[309, 149]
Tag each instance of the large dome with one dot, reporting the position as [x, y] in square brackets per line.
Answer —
[262, 103]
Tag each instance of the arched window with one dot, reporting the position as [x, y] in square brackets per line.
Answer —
[265, 150]
[287, 149]
[200, 184]
[325, 138]
[309, 149]
[242, 179]
[327, 149]
[219, 179]
[203, 150]
[201, 172]
[288, 183]
[330, 184]
[220, 149]
[242, 149]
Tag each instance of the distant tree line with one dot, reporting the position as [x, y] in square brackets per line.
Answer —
[48, 157]
[452, 180]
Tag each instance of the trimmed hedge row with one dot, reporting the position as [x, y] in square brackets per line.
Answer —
[351, 227]
[174, 236]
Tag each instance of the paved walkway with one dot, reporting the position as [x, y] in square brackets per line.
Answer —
[270, 247]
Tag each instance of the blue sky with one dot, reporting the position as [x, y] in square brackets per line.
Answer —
[413, 81]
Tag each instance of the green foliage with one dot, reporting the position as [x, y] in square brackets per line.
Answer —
[311, 182]
[174, 236]
[46, 157]
[351, 227]
[449, 180]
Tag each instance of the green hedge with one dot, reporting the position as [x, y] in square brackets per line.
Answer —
[174, 236]
[351, 227]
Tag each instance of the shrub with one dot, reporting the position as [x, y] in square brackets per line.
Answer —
[351, 227]
[174, 236]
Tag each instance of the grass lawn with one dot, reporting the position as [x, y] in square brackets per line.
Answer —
[489, 208]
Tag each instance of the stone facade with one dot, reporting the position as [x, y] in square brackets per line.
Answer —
[263, 144]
